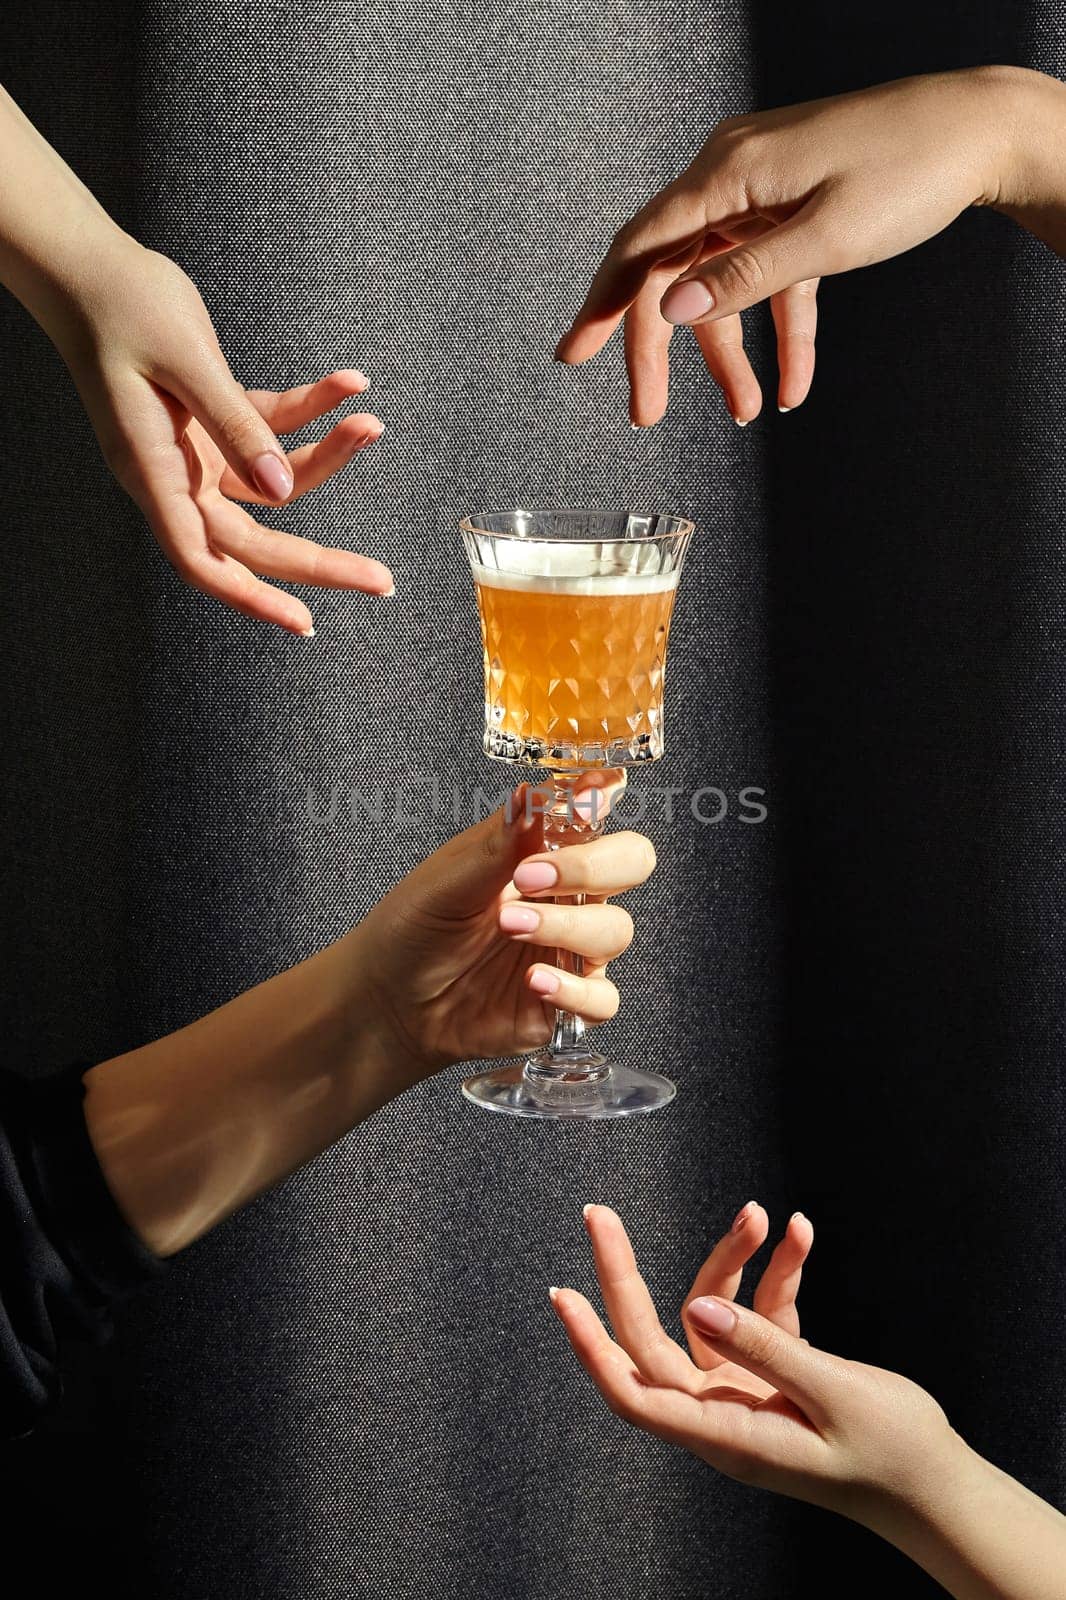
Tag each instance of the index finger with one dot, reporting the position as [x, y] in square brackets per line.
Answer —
[587, 805]
[630, 1306]
[604, 866]
[670, 1413]
[669, 230]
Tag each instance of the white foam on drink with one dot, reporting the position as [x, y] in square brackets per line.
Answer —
[554, 581]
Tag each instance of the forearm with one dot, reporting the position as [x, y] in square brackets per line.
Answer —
[192, 1127]
[54, 235]
[1033, 183]
[980, 1533]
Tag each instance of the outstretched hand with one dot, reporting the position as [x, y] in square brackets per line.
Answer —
[777, 199]
[749, 1395]
[759, 1403]
[188, 442]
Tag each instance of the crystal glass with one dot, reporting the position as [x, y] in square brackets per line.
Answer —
[575, 613]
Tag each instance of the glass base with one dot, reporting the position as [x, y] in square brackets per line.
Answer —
[595, 1089]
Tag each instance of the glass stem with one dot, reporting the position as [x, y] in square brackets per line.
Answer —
[562, 826]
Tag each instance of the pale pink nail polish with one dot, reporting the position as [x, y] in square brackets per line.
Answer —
[545, 983]
[742, 1216]
[687, 301]
[272, 476]
[590, 804]
[532, 876]
[712, 1317]
[518, 919]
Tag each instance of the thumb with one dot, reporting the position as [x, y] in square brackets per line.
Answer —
[810, 1378]
[209, 390]
[801, 248]
[466, 874]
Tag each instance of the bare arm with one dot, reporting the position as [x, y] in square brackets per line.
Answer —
[195, 1125]
[980, 1533]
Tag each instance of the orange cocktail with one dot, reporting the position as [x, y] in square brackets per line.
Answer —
[575, 665]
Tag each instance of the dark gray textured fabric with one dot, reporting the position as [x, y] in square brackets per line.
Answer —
[357, 1388]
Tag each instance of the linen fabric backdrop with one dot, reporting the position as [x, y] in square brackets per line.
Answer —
[357, 1388]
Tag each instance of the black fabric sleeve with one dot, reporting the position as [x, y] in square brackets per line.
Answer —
[66, 1253]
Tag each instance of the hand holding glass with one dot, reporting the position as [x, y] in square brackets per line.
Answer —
[575, 613]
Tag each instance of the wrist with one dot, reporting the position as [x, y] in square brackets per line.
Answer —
[979, 1533]
[49, 268]
[69, 294]
[1026, 113]
[385, 1053]
[908, 1511]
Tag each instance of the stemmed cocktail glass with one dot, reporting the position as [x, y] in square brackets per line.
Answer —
[575, 615]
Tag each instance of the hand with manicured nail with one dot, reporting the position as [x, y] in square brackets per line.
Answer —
[759, 1403]
[184, 439]
[462, 952]
[778, 199]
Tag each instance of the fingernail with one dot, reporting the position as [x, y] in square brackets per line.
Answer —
[783, 409]
[544, 983]
[377, 572]
[713, 1317]
[518, 919]
[742, 1216]
[586, 1209]
[797, 1216]
[553, 1293]
[739, 423]
[361, 381]
[369, 434]
[272, 476]
[308, 633]
[687, 301]
[590, 804]
[533, 876]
